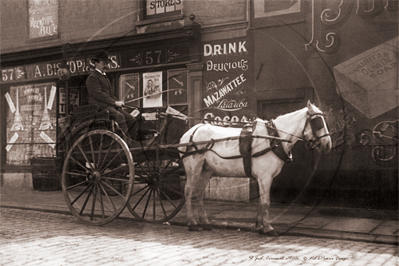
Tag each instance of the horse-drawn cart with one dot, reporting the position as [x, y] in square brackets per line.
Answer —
[102, 174]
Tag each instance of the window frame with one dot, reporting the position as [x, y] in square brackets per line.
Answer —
[144, 17]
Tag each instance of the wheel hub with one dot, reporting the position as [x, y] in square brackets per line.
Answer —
[95, 176]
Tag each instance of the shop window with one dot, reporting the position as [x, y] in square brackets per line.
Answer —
[129, 89]
[43, 19]
[154, 9]
[30, 122]
[154, 90]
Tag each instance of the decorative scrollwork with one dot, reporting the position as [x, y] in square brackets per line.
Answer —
[330, 15]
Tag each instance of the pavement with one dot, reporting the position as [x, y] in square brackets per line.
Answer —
[375, 226]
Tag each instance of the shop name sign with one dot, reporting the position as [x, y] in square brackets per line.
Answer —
[50, 69]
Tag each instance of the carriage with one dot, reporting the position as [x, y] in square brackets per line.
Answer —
[102, 175]
[170, 164]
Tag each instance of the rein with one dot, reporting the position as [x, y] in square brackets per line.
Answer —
[315, 123]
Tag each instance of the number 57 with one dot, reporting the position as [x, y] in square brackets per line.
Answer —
[6, 77]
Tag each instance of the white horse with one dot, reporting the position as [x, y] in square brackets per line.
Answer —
[206, 158]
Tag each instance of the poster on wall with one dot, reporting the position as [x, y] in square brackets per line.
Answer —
[31, 122]
[177, 87]
[227, 90]
[43, 18]
[152, 89]
[129, 89]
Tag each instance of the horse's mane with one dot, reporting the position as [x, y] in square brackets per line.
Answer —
[293, 113]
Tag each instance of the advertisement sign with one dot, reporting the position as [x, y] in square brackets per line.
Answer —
[31, 122]
[228, 90]
[43, 18]
[177, 87]
[129, 89]
[152, 89]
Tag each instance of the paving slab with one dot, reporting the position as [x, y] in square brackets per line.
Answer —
[379, 226]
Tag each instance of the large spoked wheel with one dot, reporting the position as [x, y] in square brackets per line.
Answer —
[98, 176]
[158, 193]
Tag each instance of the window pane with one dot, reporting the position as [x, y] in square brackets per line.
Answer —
[31, 122]
[150, 7]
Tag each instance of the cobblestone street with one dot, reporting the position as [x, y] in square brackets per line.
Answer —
[43, 238]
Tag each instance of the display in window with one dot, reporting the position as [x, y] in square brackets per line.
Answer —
[177, 87]
[152, 89]
[73, 100]
[129, 89]
[31, 120]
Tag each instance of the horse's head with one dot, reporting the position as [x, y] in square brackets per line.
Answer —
[315, 131]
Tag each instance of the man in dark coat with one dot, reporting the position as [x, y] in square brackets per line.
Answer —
[100, 93]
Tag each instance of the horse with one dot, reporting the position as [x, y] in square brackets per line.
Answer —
[205, 156]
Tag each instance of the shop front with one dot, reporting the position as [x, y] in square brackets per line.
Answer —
[37, 93]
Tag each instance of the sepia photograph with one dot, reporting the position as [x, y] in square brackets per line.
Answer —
[199, 132]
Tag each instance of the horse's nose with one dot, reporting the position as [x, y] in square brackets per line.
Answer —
[328, 147]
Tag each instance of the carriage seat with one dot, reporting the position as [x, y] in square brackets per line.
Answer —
[88, 112]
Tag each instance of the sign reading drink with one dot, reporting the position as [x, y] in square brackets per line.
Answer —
[228, 91]
[43, 18]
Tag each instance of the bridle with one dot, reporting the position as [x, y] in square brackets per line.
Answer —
[317, 122]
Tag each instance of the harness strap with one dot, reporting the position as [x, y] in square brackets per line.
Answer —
[245, 147]
[208, 146]
[275, 144]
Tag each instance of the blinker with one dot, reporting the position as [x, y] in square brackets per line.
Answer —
[317, 123]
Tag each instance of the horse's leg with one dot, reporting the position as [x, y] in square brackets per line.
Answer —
[193, 167]
[262, 220]
[203, 182]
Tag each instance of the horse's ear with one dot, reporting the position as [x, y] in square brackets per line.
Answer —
[310, 107]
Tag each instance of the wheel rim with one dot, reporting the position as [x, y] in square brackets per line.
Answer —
[158, 193]
[98, 176]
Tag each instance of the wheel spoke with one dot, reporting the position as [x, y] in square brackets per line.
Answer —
[146, 205]
[116, 179]
[92, 152]
[112, 160]
[76, 174]
[94, 202]
[106, 195]
[86, 200]
[145, 193]
[167, 197]
[76, 185]
[106, 155]
[113, 189]
[114, 170]
[140, 190]
[153, 204]
[81, 193]
[142, 168]
[84, 155]
[101, 201]
[100, 149]
[81, 165]
[160, 200]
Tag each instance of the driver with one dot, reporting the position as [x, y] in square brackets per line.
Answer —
[100, 93]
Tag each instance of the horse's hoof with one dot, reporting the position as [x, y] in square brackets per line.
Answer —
[193, 227]
[268, 233]
[207, 227]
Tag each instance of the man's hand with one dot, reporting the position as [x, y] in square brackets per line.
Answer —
[119, 103]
